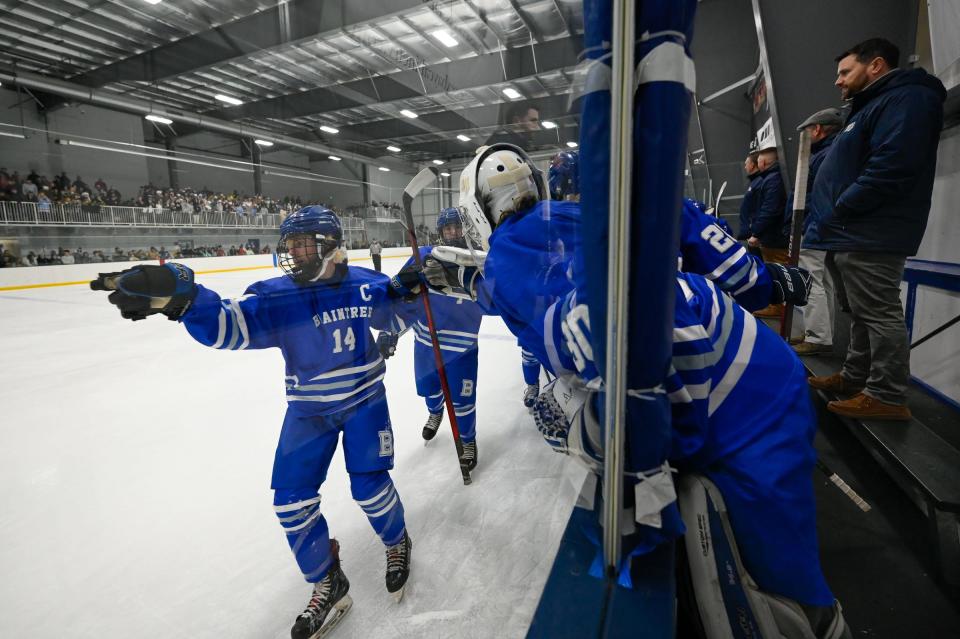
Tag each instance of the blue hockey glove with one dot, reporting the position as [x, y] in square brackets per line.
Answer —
[142, 291]
[406, 283]
[791, 284]
[387, 344]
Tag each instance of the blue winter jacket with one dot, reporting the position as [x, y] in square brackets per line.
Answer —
[769, 224]
[818, 151]
[872, 192]
[748, 207]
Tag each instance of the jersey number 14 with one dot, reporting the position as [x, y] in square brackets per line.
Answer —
[347, 340]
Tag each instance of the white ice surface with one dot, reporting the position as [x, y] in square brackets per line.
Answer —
[135, 466]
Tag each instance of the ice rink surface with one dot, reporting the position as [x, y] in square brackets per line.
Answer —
[136, 472]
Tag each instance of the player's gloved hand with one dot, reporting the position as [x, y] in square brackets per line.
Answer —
[142, 291]
[551, 420]
[567, 420]
[387, 344]
[791, 284]
[406, 283]
[451, 278]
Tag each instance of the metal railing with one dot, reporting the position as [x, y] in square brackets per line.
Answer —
[32, 214]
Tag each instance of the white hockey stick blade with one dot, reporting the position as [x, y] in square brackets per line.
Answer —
[334, 617]
[420, 181]
[716, 204]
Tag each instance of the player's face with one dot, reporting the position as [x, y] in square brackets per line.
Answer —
[452, 232]
[303, 249]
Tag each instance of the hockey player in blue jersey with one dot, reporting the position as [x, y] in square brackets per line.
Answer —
[319, 314]
[740, 413]
[457, 322]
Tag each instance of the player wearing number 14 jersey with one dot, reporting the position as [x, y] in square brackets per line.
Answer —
[319, 314]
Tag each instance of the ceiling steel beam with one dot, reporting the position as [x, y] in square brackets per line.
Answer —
[250, 34]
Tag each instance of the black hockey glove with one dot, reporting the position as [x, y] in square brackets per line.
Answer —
[142, 291]
[791, 284]
[406, 283]
[450, 278]
[387, 344]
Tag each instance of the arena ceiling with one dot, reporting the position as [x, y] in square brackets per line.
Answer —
[353, 66]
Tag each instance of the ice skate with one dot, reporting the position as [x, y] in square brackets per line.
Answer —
[398, 566]
[430, 428]
[328, 604]
[530, 394]
[469, 457]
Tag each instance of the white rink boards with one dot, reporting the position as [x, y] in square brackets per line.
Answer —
[136, 472]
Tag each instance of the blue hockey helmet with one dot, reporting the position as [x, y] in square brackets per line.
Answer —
[564, 175]
[450, 228]
[309, 240]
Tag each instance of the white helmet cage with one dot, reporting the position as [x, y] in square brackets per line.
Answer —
[494, 183]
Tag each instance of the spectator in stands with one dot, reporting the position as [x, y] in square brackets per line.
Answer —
[29, 190]
[66, 257]
[100, 185]
[375, 250]
[43, 202]
[872, 199]
[770, 232]
[749, 204]
[823, 127]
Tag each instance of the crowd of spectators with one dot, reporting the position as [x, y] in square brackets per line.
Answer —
[61, 255]
[60, 190]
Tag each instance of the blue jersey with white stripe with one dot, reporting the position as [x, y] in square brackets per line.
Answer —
[730, 376]
[457, 322]
[707, 249]
[322, 329]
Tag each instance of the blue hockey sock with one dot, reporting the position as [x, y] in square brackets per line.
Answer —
[377, 496]
[299, 513]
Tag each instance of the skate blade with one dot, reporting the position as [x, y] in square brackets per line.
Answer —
[398, 595]
[335, 616]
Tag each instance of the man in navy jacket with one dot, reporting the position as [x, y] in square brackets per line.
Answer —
[769, 230]
[871, 199]
[749, 204]
[818, 313]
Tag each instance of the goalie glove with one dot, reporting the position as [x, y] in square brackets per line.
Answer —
[567, 420]
[387, 344]
[142, 291]
[791, 284]
[451, 278]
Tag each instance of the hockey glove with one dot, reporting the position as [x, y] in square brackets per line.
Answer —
[551, 421]
[406, 283]
[451, 278]
[387, 344]
[142, 291]
[791, 284]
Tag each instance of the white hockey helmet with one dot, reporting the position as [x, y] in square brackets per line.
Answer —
[496, 181]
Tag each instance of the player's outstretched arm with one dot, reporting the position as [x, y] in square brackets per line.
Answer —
[145, 290]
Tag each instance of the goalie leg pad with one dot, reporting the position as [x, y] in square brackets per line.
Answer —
[728, 600]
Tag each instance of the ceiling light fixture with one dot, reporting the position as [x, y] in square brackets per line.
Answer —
[512, 93]
[463, 138]
[572, 145]
[334, 158]
[228, 99]
[13, 135]
[444, 37]
[157, 118]
[407, 113]
[444, 174]
[547, 124]
[153, 1]
[245, 169]
[438, 162]
[384, 169]
[395, 149]
[263, 142]
[328, 129]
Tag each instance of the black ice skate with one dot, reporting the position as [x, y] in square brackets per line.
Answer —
[469, 457]
[398, 566]
[328, 605]
[530, 394]
[430, 428]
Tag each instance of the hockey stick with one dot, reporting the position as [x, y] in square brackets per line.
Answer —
[715, 209]
[844, 487]
[796, 225]
[420, 181]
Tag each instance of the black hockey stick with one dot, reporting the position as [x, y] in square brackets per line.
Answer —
[844, 487]
[420, 181]
[796, 225]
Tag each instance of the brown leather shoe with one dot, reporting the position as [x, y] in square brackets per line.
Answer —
[809, 348]
[773, 311]
[835, 383]
[797, 340]
[862, 406]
